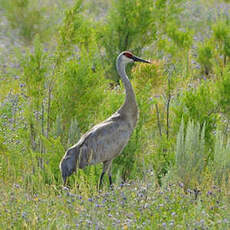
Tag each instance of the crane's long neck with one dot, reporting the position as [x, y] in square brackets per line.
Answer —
[129, 108]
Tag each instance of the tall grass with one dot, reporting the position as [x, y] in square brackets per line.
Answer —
[190, 156]
[221, 163]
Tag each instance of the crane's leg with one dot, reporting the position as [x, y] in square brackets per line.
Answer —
[101, 178]
[106, 168]
[110, 174]
[64, 180]
[110, 180]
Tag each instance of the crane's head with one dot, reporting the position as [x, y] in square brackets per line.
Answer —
[128, 57]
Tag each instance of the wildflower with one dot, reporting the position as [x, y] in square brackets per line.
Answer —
[225, 221]
[88, 222]
[70, 194]
[140, 194]
[17, 185]
[24, 214]
[65, 189]
[209, 193]
[173, 213]
[202, 221]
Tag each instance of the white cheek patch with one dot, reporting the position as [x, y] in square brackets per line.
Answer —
[126, 60]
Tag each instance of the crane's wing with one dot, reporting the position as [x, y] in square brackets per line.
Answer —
[104, 141]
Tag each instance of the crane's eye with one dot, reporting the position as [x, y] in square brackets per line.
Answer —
[128, 55]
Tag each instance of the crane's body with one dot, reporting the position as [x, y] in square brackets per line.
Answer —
[107, 139]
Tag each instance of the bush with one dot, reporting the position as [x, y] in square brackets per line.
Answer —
[199, 105]
[129, 26]
[28, 18]
[221, 163]
[190, 156]
[223, 87]
[205, 57]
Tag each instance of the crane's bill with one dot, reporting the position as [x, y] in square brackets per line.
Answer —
[140, 60]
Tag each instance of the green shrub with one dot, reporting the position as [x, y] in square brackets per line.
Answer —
[24, 16]
[205, 57]
[221, 163]
[221, 36]
[35, 67]
[199, 105]
[223, 87]
[190, 155]
[129, 26]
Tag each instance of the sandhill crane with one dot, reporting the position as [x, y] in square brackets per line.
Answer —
[106, 140]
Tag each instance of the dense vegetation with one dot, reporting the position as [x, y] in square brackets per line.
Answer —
[58, 79]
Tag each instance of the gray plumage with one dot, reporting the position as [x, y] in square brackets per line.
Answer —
[106, 140]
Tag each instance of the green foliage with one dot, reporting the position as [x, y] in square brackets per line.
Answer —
[35, 67]
[51, 159]
[76, 29]
[221, 30]
[34, 70]
[216, 48]
[205, 57]
[74, 132]
[79, 89]
[221, 163]
[168, 11]
[223, 93]
[190, 154]
[163, 158]
[221, 35]
[199, 105]
[183, 39]
[23, 16]
[129, 26]
[29, 18]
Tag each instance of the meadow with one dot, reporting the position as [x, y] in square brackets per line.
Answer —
[58, 79]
